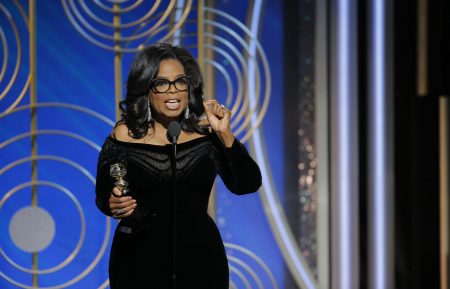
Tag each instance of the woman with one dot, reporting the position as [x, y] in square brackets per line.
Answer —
[165, 84]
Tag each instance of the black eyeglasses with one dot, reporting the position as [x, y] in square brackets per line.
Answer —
[163, 85]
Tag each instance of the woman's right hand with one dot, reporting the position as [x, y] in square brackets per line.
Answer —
[121, 207]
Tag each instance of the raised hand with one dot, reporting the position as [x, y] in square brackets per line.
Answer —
[219, 120]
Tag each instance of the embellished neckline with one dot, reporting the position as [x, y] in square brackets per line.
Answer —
[156, 146]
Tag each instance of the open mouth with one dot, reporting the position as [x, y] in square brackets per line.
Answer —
[173, 104]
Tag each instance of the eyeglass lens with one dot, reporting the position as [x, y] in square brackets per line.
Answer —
[163, 85]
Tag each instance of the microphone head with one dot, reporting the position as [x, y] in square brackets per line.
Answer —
[173, 131]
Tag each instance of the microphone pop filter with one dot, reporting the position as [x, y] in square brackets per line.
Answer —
[173, 131]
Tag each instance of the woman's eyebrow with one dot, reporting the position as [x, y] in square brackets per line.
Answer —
[165, 77]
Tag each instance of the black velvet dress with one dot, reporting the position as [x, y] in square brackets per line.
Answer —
[141, 250]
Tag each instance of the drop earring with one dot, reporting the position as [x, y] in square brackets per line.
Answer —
[186, 112]
[149, 113]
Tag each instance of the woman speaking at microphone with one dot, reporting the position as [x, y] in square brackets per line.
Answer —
[164, 85]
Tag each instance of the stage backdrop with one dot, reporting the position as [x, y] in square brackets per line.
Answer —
[63, 69]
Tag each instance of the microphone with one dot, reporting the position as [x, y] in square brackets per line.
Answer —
[173, 131]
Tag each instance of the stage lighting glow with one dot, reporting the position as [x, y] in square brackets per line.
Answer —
[379, 139]
[345, 101]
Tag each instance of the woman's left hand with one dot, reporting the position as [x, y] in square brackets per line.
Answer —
[219, 119]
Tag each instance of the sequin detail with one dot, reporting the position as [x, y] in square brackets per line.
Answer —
[157, 161]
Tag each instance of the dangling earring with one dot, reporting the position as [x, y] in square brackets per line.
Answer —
[149, 113]
[186, 112]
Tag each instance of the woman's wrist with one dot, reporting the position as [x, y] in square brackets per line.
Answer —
[227, 138]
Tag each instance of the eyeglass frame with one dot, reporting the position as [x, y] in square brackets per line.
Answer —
[152, 87]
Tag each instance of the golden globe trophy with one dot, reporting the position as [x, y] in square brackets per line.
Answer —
[118, 172]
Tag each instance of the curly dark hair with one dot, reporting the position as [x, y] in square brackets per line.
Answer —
[144, 70]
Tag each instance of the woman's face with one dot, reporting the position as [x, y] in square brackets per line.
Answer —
[169, 91]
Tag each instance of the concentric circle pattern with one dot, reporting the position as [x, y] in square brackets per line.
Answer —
[61, 234]
[241, 70]
[14, 78]
[247, 270]
[126, 26]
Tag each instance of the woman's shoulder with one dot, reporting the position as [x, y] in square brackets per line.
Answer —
[121, 133]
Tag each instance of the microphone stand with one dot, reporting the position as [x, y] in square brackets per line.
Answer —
[173, 132]
[173, 214]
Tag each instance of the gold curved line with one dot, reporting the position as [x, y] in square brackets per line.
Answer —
[123, 10]
[239, 39]
[102, 35]
[85, 110]
[186, 11]
[22, 12]
[174, 28]
[257, 93]
[255, 257]
[5, 54]
[19, 52]
[240, 275]
[232, 285]
[240, 93]
[156, 32]
[251, 110]
[149, 39]
[263, 110]
[77, 248]
[227, 75]
[228, 80]
[236, 53]
[92, 40]
[120, 12]
[67, 161]
[51, 132]
[18, 99]
[228, 30]
[248, 269]
[245, 110]
[104, 285]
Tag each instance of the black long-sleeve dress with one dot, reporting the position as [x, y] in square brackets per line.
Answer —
[141, 248]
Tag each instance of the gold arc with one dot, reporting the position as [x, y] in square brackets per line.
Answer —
[5, 55]
[139, 21]
[21, 95]
[245, 109]
[124, 9]
[149, 33]
[22, 12]
[180, 23]
[18, 56]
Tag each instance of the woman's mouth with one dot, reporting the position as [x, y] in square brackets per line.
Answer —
[173, 104]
